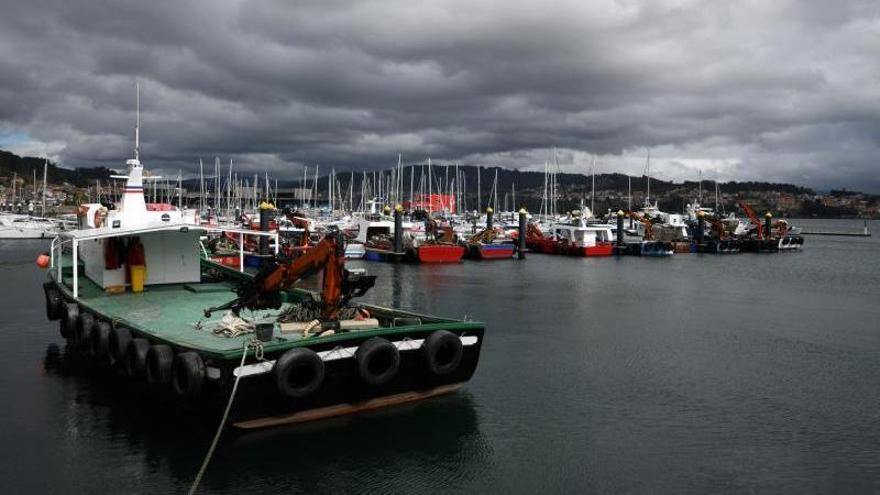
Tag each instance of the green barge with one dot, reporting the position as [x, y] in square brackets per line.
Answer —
[294, 364]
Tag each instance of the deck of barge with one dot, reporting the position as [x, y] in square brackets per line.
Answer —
[174, 313]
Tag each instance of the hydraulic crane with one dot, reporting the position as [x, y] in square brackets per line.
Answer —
[338, 286]
[753, 218]
[649, 226]
[717, 227]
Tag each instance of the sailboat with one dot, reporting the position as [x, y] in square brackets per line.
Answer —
[20, 226]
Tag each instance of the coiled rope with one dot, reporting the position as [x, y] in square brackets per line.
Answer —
[258, 352]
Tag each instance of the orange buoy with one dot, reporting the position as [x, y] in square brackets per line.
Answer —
[43, 260]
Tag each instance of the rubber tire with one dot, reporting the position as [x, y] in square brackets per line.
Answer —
[84, 325]
[120, 337]
[188, 375]
[53, 301]
[69, 317]
[99, 344]
[158, 364]
[366, 356]
[292, 367]
[443, 352]
[136, 357]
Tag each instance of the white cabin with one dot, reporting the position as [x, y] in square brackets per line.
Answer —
[582, 235]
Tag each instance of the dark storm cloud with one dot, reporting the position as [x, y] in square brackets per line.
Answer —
[740, 90]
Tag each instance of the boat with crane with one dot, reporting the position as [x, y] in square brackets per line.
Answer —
[133, 291]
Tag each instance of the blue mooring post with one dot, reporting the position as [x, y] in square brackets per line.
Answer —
[620, 216]
[701, 226]
[398, 229]
[490, 214]
[521, 250]
[768, 224]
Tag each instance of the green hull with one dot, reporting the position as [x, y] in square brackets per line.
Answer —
[172, 315]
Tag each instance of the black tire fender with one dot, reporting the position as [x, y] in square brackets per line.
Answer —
[84, 325]
[298, 373]
[69, 317]
[158, 364]
[377, 361]
[120, 337]
[188, 375]
[53, 301]
[99, 344]
[136, 357]
[443, 352]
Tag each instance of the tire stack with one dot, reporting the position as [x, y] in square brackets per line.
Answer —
[184, 373]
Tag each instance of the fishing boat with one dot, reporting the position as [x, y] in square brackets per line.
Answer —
[436, 245]
[375, 233]
[133, 290]
[491, 243]
[572, 240]
[25, 227]
[768, 236]
[499, 249]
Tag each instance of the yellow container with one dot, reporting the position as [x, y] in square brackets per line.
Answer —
[138, 274]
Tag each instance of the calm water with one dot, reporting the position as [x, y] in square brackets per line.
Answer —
[691, 374]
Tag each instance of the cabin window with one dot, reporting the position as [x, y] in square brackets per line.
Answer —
[374, 231]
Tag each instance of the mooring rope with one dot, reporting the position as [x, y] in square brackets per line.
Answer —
[258, 351]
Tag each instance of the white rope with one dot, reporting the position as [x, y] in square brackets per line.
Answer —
[204, 467]
[233, 326]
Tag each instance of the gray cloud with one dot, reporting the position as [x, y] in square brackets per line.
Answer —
[741, 90]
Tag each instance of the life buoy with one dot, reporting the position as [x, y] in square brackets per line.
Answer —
[136, 357]
[158, 364]
[99, 346]
[84, 330]
[120, 337]
[443, 352]
[69, 317]
[53, 301]
[100, 215]
[377, 361]
[188, 374]
[299, 372]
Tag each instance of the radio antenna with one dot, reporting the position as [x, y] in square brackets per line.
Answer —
[137, 125]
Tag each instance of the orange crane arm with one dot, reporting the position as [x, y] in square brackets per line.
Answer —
[533, 232]
[753, 217]
[338, 285]
[649, 226]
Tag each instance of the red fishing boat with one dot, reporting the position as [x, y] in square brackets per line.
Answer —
[490, 244]
[439, 253]
[572, 240]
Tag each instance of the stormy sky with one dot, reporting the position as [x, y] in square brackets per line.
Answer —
[751, 90]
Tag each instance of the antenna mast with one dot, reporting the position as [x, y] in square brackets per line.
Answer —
[137, 125]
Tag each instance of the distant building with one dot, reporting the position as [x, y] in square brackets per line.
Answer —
[434, 202]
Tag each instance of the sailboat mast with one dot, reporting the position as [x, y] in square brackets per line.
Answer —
[648, 174]
[700, 188]
[629, 193]
[479, 197]
[45, 170]
[593, 190]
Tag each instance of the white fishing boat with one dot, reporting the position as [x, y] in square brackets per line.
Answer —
[30, 228]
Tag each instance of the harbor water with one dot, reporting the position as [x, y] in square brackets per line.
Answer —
[692, 374]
